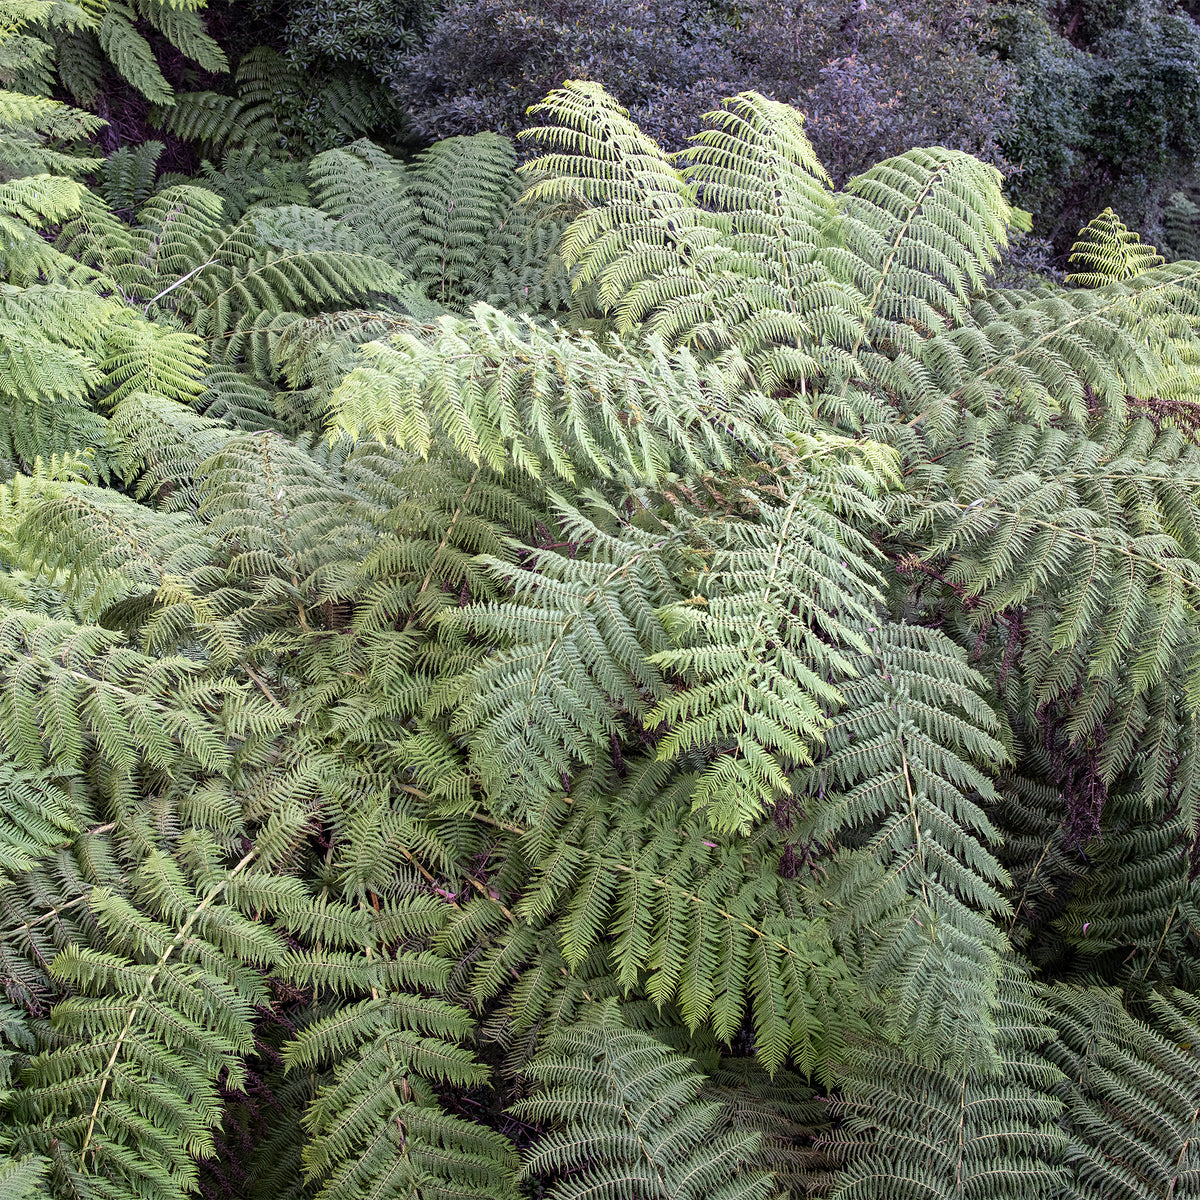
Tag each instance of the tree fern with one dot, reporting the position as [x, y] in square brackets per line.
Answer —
[129, 176]
[1136, 919]
[763, 650]
[786, 1114]
[96, 38]
[634, 889]
[649, 249]
[450, 219]
[1181, 219]
[276, 111]
[140, 1101]
[476, 671]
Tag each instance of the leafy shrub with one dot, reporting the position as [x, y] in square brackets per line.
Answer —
[484, 64]
[873, 83]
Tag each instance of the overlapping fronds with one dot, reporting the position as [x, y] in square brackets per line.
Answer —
[464, 189]
[152, 1022]
[83, 42]
[762, 648]
[37, 134]
[1095, 547]
[376, 1126]
[450, 219]
[129, 176]
[617, 885]
[549, 401]
[973, 1131]
[1139, 916]
[1130, 1093]
[463, 650]
[1181, 225]
[577, 635]
[46, 386]
[662, 243]
[370, 192]
[263, 116]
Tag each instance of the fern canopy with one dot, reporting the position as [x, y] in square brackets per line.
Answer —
[633, 674]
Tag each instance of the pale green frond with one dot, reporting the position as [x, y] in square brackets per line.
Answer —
[762, 649]
[131, 54]
[1107, 251]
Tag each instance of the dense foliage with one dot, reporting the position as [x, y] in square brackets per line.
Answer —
[1103, 110]
[578, 668]
[873, 80]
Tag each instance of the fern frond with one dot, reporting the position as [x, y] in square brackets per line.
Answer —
[106, 549]
[150, 358]
[152, 1025]
[1181, 225]
[499, 390]
[277, 112]
[755, 162]
[376, 1126]
[762, 649]
[131, 54]
[1107, 251]
[1137, 914]
[968, 1131]
[278, 262]
[128, 177]
[22, 1178]
[624, 882]
[630, 1121]
[220, 123]
[233, 397]
[39, 817]
[1130, 1093]
[183, 27]
[908, 759]
[160, 446]
[370, 192]
[578, 639]
[464, 189]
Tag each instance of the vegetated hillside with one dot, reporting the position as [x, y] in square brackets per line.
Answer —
[640, 674]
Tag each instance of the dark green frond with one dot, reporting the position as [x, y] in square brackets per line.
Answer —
[628, 1120]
